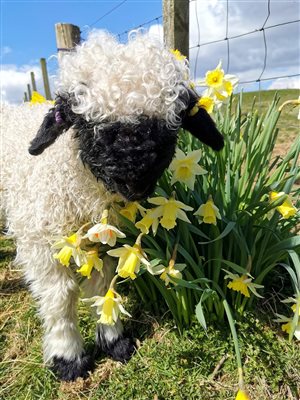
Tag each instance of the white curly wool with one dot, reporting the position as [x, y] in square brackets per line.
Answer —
[115, 81]
[53, 194]
[46, 197]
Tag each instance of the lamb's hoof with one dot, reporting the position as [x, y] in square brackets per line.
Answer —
[70, 370]
[121, 350]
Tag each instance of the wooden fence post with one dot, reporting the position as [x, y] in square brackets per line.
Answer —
[45, 78]
[29, 92]
[33, 84]
[67, 37]
[176, 25]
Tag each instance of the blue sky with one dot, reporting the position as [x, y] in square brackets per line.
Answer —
[27, 34]
[28, 26]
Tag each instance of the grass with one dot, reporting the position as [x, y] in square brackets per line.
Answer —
[197, 365]
[288, 123]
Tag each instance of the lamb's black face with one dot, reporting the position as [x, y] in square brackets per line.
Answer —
[128, 158]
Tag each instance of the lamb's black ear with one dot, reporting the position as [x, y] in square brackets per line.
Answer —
[56, 121]
[199, 123]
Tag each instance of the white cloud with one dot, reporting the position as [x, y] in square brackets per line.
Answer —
[286, 83]
[14, 81]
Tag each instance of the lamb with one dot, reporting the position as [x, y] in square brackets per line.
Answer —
[111, 133]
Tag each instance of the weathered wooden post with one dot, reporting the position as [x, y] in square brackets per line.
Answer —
[67, 37]
[45, 79]
[176, 25]
[29, 92]
[33, 84]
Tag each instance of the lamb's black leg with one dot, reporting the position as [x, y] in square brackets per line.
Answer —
[111, 341]
[70, 370]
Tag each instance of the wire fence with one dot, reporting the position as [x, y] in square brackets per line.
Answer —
[261, 30]
[201, 58]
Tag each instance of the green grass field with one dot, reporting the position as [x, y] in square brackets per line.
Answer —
[197, 365]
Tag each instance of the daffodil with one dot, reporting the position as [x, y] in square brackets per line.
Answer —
[207, 103]
[108, 307]
[242, 284]
[295, 103]
[208, 212]
[150, 219]
[171, 210]
[172, 271]
[130, 210]
[103, 232]
[91, 261]
[70, 247]
[185, 167]
[242, 395]
[178, 55]
[130, 259]
[37, 98]
[286, 209]
[287, 324]
[220, 85]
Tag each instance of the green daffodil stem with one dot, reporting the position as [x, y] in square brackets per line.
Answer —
[113, 281]
[138, 241]
[81, 229]
[236, 344]
[174, 255]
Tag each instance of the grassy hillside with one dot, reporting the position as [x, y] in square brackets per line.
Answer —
[289, 125]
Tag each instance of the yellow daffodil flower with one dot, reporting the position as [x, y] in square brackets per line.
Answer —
[207, 103]
[220, 85]
[172, 271]
[171, 210]
[37, 98]
[295, 103]
[294, 307]
[208, 212]
[286, 209]
[130, 259]
[178, 55]
[150, 219]
[242, 284]
[130, 210]
[70, 247]
[103, 232]
[185, 168]
[108, 307]
[64, 255]
[91, 261]
[287, 325]
[287, 322]
[242, 395]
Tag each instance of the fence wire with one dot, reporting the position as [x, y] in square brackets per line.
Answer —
[228, 38]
